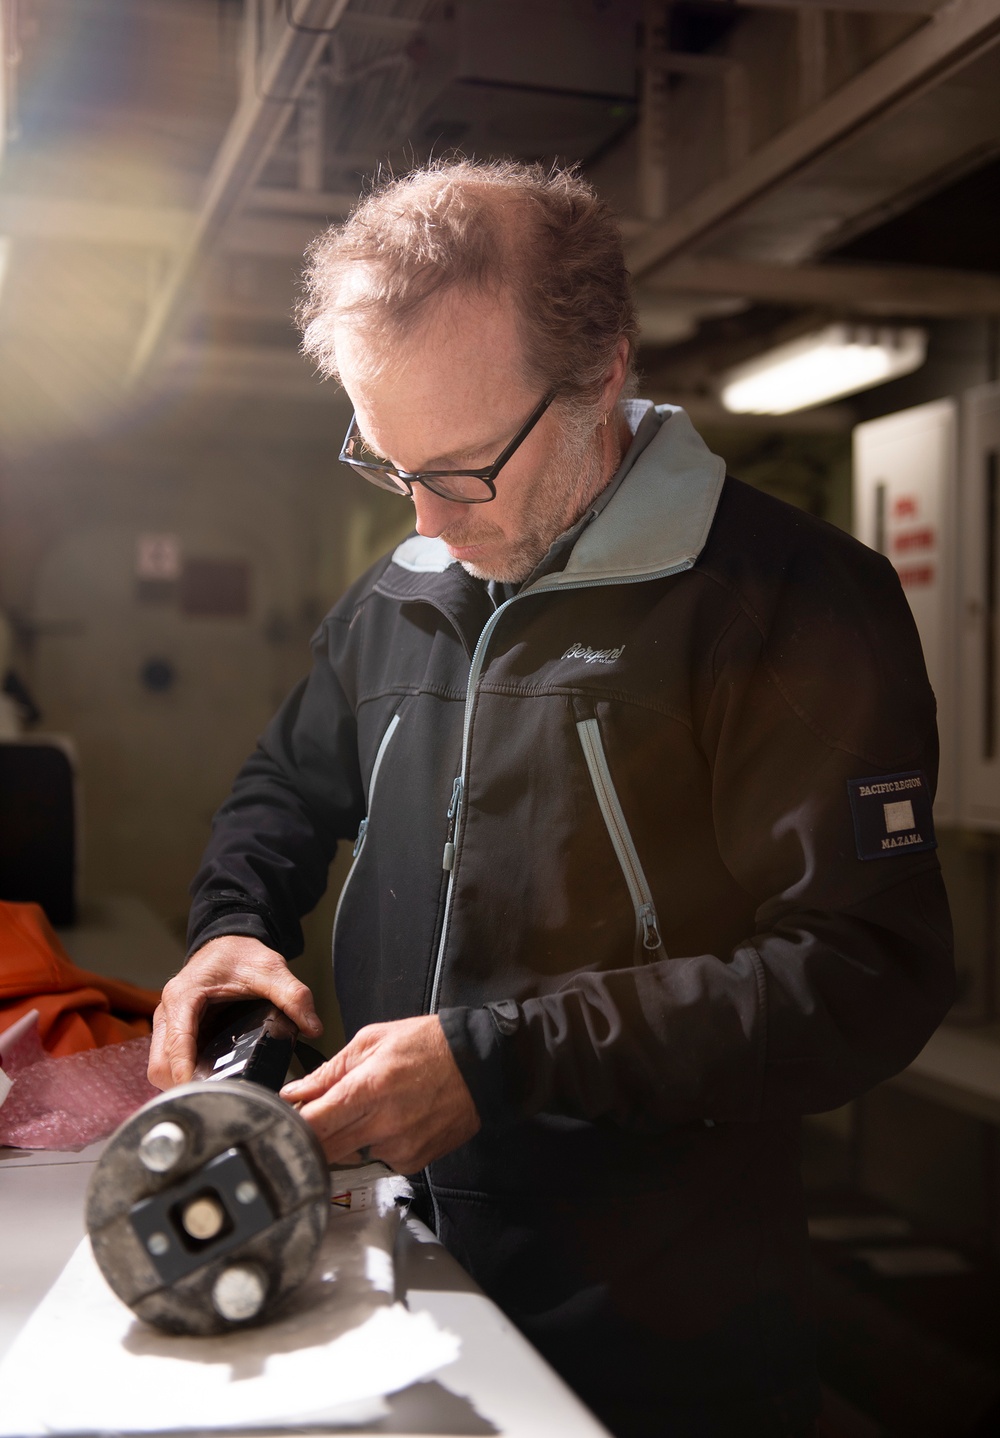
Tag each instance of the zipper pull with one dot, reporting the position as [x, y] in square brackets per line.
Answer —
[650, 933]
[448, 858]
[362, 830]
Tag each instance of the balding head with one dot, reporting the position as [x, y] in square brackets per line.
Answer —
[538, 240]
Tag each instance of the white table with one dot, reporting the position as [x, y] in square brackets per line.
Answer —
[498, 1385]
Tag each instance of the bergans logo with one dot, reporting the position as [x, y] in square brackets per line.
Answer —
[594, 656]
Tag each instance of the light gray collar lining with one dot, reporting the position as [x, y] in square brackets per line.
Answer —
[659, 519]
[655, 523]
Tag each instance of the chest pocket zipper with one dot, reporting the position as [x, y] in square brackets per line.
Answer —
[647, 926]
[391, 728]
[359, 842]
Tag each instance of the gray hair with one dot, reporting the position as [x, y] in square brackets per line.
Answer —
[542, 236]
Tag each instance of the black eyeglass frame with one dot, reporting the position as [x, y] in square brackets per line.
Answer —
[404, 480]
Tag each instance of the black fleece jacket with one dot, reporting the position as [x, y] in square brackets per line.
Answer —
[654, 839]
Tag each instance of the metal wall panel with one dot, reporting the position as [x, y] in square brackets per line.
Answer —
[980, 608]
[905, 506]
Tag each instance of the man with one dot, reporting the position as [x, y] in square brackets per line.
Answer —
[640, 765]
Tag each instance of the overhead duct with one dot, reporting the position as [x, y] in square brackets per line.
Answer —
[955, 36]
[301, 35]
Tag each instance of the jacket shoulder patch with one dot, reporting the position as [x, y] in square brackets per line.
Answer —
[893, 814]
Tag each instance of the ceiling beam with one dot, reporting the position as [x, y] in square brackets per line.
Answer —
[870, 7]
[270, 225]
[321, 203]
[274, 236]
[253, 132]
[911, 290]
[243, 369]
[954, 36]
[385, 27]
[257, 369]
[45, 217]
[283, 227]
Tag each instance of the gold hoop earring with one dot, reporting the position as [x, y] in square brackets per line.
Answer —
[604, 417]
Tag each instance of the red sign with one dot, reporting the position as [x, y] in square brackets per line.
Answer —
[915, 539]
[917, 574]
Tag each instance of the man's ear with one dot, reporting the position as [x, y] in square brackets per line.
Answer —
[614, 380]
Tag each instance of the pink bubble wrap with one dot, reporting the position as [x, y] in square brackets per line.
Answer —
[68, 1102]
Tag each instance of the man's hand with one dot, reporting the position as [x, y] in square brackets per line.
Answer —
[394, 1093]
[231, 967]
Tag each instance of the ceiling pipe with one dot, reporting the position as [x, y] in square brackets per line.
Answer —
[871, 7]
[862, 6]
[302, 30]
[886, 290]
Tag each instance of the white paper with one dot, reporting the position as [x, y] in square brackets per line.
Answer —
[85, 1364]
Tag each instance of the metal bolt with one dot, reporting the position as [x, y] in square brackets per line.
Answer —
[203, 1217]
[158, 1243]
[162, 1146]
[246, 1191]
[239, 1292]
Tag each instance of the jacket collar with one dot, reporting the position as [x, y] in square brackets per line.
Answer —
[659, 517]
[655, 523]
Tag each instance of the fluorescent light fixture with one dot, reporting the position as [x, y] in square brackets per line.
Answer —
[825, 365]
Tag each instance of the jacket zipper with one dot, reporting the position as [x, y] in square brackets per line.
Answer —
[448, 858]
[359, 842]
[646, 925]
[461, 779]
[457, 792]
[460, 784]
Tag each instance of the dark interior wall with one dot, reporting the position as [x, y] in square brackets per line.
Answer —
[961, 353]
[809, 470]
[922, 1157]
[161, 694]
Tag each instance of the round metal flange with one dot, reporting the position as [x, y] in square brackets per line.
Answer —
[207, 1207]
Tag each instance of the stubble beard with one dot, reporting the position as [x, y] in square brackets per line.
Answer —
[554, 504]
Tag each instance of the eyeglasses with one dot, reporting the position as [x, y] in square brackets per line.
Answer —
[464, 486]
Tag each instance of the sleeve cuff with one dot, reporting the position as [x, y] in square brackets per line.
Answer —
[244, 925]
[477, 1043]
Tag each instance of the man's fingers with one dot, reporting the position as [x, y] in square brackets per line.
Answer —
[314, 1084]
[158, 1071]
[343, 1097]
[272, 980]
[227, 968]
[182, 1015]
[171, 1058]
[304, 1090]
[341, 1142]
[183, 1052]
[292, 996]
[394, 1090]
[173, 1047]
[343, 1118]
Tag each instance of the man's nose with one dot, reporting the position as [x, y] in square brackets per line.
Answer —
[434, 514]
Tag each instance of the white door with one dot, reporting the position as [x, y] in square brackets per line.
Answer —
[905, 495]
[980, 598]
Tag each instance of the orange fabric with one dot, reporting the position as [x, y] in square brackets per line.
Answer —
[77, 1010]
